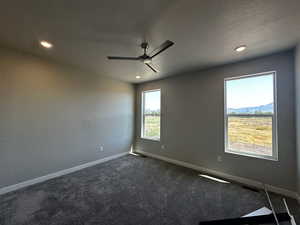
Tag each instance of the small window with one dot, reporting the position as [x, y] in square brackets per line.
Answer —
[151, 115]
[250, 116]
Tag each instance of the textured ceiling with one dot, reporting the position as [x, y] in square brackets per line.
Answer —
[205, 32]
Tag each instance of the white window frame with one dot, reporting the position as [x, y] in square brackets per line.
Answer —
[143, 115]
[274, 156]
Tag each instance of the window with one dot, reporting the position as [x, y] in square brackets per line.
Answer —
[250, 116]
[151, 115]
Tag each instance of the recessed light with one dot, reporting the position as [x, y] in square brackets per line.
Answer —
[240, 48]
[138, 77]
[46, 44]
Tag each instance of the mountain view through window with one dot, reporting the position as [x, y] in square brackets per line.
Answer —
[250, 122]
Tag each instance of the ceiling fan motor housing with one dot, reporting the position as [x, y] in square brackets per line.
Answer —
[145, 58]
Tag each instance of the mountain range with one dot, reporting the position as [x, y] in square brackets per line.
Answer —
[262, 109]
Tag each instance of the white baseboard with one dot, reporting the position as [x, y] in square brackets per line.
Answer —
[57, 174]
[241, 180]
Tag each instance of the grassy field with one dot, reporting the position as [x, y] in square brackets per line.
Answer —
[152, 127]
[250, 134]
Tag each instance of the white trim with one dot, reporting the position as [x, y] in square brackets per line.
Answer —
[274, 156]
[37, 180]
[151, 139]
[142, 136]
[241, 180]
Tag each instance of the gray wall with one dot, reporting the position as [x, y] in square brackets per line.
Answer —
[53, 116]
[192, 121]
[298, 112]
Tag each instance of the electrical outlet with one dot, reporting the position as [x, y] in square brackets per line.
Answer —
[99, 148]
[219, 158]
[162, 146]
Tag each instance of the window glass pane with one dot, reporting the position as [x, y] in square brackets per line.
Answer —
[151, 117]
[250, 134]
[152, 126]
[250, 95]
[250, 115]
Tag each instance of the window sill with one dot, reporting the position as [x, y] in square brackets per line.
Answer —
[271, 158]
[150, 139]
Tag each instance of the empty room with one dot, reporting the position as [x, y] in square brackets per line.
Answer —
[157, 112]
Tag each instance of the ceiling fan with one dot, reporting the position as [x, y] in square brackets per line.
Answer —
[145, 58]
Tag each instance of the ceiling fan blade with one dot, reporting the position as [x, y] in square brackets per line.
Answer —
[161, 48]
[152, 68]
[122, 58]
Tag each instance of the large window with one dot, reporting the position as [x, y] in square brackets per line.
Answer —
[250, 116]
[151, 115]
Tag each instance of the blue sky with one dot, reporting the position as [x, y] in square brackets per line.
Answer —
[152, 100]
[250, 91]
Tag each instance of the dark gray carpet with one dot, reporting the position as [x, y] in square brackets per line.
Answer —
[130, 190]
